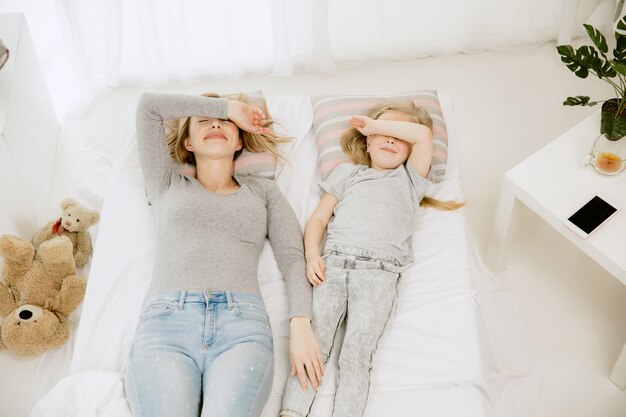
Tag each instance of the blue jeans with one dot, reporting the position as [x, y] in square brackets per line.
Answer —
[201, 354]
[360, 286]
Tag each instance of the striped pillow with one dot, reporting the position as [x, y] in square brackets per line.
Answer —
[259, 164]
[331, 115]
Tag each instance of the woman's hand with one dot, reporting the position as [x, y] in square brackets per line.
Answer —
[304, 349]
[246, 117]
[363, 124]
[315, 270]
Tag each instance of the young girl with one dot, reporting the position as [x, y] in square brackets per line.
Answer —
[371, 210]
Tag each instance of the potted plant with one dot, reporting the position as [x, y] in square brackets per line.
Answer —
[589, 60]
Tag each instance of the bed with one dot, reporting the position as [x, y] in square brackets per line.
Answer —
[455, 347]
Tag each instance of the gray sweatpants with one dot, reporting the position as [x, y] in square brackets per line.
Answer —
[364, 286]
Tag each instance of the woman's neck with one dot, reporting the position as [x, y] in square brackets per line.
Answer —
[216, 176]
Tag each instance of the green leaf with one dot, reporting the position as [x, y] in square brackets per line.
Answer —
[620, 67]
[573, 60]
[584, 59]
[590, 59]
[620, 31]
[619, 53]
[597, 37]
[579, 101]
[607, 70]
[567, 53]
[582, 72]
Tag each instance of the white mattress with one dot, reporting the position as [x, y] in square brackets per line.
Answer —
[455, 347]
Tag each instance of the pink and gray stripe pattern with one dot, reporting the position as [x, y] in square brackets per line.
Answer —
[331, 115]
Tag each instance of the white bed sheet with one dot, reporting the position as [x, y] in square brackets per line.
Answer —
[455, 347]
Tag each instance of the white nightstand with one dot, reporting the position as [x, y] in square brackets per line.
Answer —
[554, 183]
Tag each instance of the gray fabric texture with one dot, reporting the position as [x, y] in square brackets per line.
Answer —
[377, 210]
[361, 288]
[210, 241]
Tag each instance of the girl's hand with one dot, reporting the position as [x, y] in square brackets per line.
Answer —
[315, 270]
[363, 124]
[246, 117]
[304, 349]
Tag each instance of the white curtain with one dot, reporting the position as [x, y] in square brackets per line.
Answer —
[87, 45]
[363, 30]
[162, 41]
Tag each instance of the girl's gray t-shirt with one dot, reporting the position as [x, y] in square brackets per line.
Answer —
[377, 210]
[210, 241]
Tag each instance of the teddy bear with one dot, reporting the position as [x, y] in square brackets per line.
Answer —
[37, 294]
[73, 223]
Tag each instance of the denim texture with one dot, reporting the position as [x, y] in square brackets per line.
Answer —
[360, 287]
[201, 353]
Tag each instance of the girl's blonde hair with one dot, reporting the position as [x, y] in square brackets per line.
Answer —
[354, 145]
[177, 131]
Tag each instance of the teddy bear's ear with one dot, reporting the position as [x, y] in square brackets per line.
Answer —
[94, 217]
[68, 202]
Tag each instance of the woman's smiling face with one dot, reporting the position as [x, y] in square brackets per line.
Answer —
[212, 138]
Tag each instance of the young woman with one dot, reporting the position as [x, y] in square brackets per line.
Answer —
[203, 345]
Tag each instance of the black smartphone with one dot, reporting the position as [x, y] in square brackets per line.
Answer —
[594, 213]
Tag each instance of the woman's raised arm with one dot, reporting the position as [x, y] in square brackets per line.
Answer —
[152, 110]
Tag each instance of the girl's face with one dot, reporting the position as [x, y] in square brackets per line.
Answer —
[387, 152]
[212, 138]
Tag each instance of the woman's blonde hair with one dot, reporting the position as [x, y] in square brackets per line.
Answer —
[177, 131]
[354, 144]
